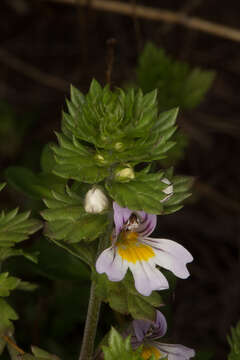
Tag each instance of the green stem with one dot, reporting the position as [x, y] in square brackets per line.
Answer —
[94, 306]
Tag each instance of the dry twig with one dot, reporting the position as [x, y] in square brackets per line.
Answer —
[12, 344]
[160, 15]
[32, 72]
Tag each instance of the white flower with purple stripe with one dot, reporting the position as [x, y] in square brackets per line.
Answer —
[132, 248]
[146, 333]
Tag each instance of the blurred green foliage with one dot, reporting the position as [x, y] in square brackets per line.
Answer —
[178, 84]
[13, 127]
[234, 342]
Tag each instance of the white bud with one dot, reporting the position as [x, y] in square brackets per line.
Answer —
[168, 191]
[125, 174]
[95, 201]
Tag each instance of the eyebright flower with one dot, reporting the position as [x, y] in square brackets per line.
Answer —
[146, 333]
[95, 201]
[132, 248]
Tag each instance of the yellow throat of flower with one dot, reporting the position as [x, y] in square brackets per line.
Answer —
[131, 249]
[148, 351]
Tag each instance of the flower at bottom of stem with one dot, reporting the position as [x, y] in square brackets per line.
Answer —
[132, 248]
[147, 333]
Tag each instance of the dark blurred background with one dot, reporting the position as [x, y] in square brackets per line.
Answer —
[45, 46]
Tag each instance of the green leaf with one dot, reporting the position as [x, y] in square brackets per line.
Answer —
[120, 348]
[59, 262]
[124, 298]
[7, 283]
[35, 186]
[77, 97]
[6, 315]
[39, 353]
[2, 185]
[145, 192]
[6, 253]
[83, 251]
[16, 227]
[177, 83]
[22, 179]
[47, 158]
[26, 286]
[68, 221]
[196, 86]
[107, 128]
[75, 161]
[234, 342]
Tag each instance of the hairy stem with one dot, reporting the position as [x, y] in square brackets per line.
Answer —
[94, 306]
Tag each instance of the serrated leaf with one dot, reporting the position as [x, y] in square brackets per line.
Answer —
[139, 308]
[106, 128]
[124, 298]
[7, 252]
[47, 158]
[85, 227]
[6, 315]
[7, 283]
[120, 348]
[177, 83]
[43, 354]
[77, 97]
[16, 227]
[58, 261]
[22, 179]
[145, 192]
[68, 221]
[74, 161]
[35, 186]
[234, 342]
[84, 251]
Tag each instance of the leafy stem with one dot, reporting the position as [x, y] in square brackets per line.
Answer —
[94, 305]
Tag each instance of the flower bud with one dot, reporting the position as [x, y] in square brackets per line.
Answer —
[124, 174]
[95, 201]
[168, 191]
[119, 146]
[100, 159]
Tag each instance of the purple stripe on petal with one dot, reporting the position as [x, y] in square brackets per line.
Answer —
[121, 216]
[148, 225]
[171, 247]
[160, 326]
